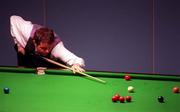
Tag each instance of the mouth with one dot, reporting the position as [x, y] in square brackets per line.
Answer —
[41, 54]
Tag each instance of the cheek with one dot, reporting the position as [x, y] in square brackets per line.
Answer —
[39, 50]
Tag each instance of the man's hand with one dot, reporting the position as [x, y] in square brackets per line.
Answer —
[77, 68]
[20, 49]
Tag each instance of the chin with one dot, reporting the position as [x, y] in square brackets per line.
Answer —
[43, 54]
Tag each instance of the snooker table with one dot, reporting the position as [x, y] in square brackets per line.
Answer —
[63, 91]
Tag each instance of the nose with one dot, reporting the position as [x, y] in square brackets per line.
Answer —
[47, 51]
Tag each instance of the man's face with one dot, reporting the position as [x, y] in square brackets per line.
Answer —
[43, 48]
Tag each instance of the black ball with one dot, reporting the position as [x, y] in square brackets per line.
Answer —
[6, 90]
[161, 99]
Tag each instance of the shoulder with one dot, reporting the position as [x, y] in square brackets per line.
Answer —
[15, 17]
[19, 20]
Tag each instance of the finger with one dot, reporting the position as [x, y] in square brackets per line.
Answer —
[81, 69]
[73, 69]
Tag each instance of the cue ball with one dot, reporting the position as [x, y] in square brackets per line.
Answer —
[176, 90]
[131, 89]
[6, 90]
[161, 99]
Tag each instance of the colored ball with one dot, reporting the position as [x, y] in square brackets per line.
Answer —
[6, 90]
[115, 98]
[127, 77]
[176, 90]
[131, 89]
[128, 98]
[161, 99]
[121, 99]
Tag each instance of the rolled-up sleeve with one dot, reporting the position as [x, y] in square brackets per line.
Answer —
[59, 51]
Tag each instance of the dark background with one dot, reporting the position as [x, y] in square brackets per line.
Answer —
[139, 36]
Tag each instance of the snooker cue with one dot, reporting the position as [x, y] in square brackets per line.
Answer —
[64, 66]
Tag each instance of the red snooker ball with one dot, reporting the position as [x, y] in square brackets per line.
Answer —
[128, 98]
[127, 77]
[121, 99]
[115, 97]
[176, 90]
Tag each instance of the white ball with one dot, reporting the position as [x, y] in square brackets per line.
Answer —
[130, 89]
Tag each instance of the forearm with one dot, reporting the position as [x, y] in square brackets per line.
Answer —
[66, 56]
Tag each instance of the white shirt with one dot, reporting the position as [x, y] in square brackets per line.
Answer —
[21, 31]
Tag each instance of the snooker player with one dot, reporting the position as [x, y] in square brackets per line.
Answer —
[33, 41]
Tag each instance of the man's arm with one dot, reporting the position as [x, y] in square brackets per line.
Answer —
[68, 57]
[59, 51]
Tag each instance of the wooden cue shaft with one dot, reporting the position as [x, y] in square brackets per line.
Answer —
[61, 65]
